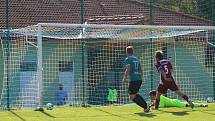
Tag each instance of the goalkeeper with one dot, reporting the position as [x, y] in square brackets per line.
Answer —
[168, 102]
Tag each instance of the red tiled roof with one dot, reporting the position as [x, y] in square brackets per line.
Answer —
[23, 13]
[119, 19]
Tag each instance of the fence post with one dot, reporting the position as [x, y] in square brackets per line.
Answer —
[151, 45]
[82, 49]
[7, 39]
[213, 40]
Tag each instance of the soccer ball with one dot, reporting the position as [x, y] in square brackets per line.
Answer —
[49, 106]
[210, 100]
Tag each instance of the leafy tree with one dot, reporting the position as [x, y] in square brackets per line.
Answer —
[206, 9]
[201, 8]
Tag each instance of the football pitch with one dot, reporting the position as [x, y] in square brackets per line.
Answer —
[111, 113]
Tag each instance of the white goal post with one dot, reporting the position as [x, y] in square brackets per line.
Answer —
[88, 60]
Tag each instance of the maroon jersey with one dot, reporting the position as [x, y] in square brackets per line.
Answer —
[166, 66]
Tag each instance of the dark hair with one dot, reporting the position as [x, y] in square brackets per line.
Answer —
[129, 50]
[60, 86]
[153, 92]
[159, 55]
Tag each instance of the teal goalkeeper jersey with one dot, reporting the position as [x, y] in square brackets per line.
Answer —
[167, 102]
[135, 68]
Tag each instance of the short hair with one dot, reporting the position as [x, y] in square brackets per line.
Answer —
[153, 92]
[159, 54]
[60, 85]
[129, 50]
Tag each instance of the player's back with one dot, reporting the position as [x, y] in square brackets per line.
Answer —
[166, 65]
[135, 68]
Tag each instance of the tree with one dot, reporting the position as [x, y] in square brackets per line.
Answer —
[201, 8]
[206, 9]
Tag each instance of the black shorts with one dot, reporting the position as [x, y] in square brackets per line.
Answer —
[134, 86]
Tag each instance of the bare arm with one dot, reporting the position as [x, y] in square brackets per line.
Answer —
[127, 71]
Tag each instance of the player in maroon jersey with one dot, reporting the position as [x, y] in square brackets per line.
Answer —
[167, 80]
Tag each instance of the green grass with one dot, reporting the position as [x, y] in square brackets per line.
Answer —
[111, 113]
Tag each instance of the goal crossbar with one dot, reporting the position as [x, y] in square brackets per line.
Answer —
[84, 31]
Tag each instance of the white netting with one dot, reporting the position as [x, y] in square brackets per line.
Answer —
[88, 61]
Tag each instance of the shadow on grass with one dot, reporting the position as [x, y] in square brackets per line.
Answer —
[206, 111]
[179, 113]
[149, 115]
[183, 113]
[109, 113]
[15, 114]
[47, 114]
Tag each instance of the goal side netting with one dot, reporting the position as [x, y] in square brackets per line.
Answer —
[88, 61]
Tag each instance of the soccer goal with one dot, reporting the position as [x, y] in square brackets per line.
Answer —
[88, 61]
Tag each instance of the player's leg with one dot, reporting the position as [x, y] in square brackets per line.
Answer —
[199, 104]
[157, 100]
[134, 87]
[185, 97]
[161, 89]
[174, 87]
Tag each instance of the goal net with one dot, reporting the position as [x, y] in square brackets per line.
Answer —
[88, 62]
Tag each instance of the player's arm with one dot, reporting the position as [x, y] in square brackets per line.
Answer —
[163, 73]
[127, 71]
